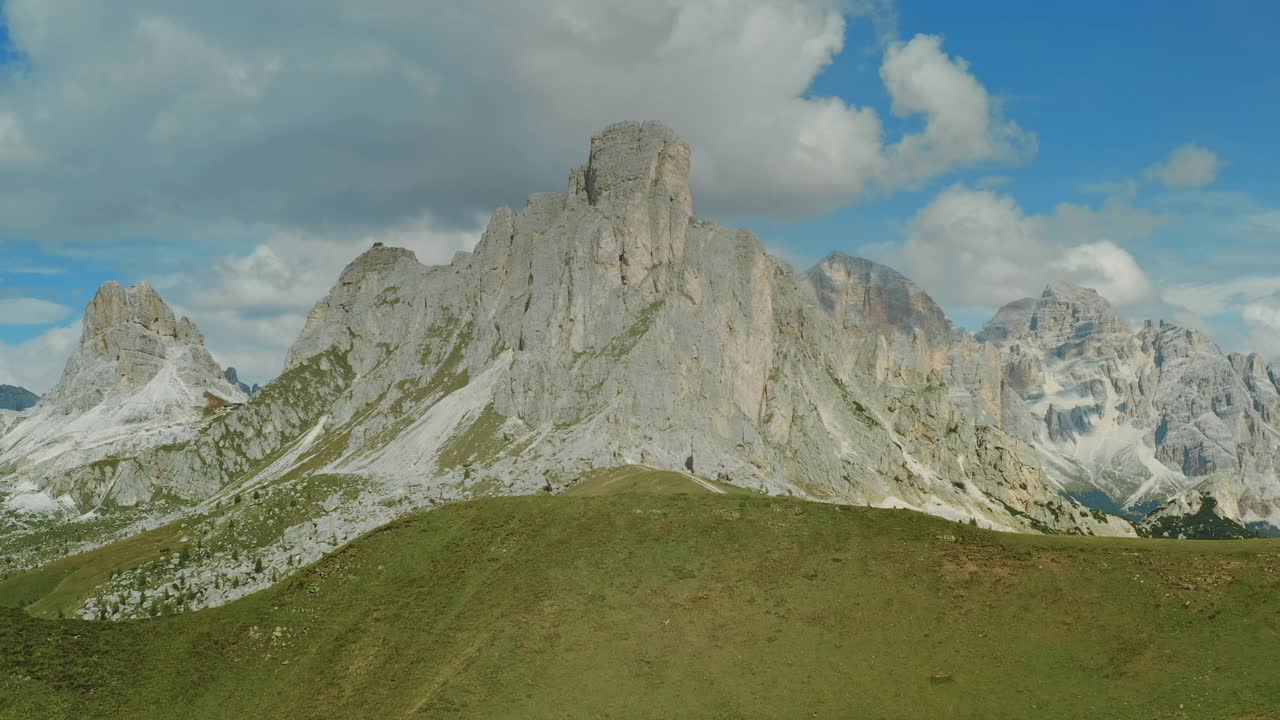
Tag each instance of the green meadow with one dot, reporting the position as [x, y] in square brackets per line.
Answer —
[664, 599]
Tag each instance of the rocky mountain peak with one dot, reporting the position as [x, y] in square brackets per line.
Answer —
[233, 377]
[871, 298]
[367, 284]
[130, 337]
[114, 307]
[1067, 313]
[139, 379]
[1010, 322]
[606, 326]
[632, 158]
[637, 175]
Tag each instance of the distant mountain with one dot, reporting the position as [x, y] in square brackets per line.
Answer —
[1156, 417]
[233, 377]
[16, 398]
[875, 301]
[141, 378]
[1130, 422]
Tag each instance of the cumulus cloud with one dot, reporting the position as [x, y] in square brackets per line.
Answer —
[31, 311]
[1262, 315]
[1107, 268]
[207, 120]
[36, 364]
[1262, 225]
[1261, 320]
[962, 126]
[978, 248]
[16, 153]
[1117, 217]
[1188, 166]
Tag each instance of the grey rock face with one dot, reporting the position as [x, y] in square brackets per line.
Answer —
[1157, 416]
[872, 300]
[16, 398]
[606, 326]
[1069, 318]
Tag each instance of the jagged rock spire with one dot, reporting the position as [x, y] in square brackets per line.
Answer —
[638, 176]
[130, 335]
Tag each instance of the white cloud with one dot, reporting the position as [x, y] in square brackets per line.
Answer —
[973, 247]
[208, 120]
[1118, 217]
[1246, 310]
[36, 364]
[977, 248]
[1106, 268]
[962, 127]
[1261, 320]
[993, 182]
[31, 311]
[1188, 166]
[323, 127]
[1262, 315]
[1263, 225]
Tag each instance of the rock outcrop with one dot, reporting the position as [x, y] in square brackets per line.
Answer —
[233, 377]
[872, 299]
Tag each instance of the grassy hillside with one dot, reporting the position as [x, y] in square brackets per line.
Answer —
[691, 605]
[650, 481]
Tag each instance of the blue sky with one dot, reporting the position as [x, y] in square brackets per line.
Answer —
[1109, 89]
[237, 161]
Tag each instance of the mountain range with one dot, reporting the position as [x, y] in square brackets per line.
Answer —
[607, 327]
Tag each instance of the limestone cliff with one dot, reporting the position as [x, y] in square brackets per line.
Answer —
[872, 300]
